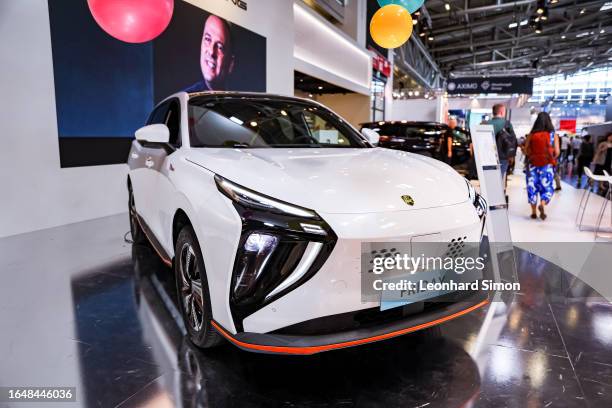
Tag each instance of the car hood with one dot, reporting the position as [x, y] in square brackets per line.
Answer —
[338, 180]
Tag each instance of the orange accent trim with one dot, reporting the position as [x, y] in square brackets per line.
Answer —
[164, 260]
[326, 347]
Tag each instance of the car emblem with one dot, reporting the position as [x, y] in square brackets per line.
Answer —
[408, 200]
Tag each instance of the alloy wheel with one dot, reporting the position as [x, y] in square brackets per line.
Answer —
[191, 288]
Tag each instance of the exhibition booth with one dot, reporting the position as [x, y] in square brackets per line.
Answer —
[306, 203]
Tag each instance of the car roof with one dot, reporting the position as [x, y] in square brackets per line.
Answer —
[219, 95]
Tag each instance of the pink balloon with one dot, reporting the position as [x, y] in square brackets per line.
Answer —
[133, 21]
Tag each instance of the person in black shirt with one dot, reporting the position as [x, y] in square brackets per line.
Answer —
[585, 157]
[446, 143]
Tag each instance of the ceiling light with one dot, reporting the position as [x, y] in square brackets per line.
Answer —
[538, 28]
[430, 38]
[416, 93]
[540, 10]
[582, 11]
[236, 120]
[447, 6]
[554, 1]
[310, 95]
[415, 22]
[283, 113]
[602, 31]
[253, 123]
[563, 37]
[606, 6]
[537, 19]
[320, 87]
[422, 34]
[513, 25]
[582, 34]
[417, 13]
[524, 22]
[409, 93]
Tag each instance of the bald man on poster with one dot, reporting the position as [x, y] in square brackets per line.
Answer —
[216, 56]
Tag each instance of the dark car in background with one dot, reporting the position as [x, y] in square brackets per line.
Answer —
[423, 138]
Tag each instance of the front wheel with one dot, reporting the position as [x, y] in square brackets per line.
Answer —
[192, 289]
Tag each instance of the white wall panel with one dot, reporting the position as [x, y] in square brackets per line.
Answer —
[327, 53]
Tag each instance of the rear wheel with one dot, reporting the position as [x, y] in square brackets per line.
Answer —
[192, 289]
[138, 235]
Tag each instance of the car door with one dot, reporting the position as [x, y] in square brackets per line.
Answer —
[145, 183]
[164, 192]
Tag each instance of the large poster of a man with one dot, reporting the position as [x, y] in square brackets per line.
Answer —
[216, 56]
[207, 53]
[105, 88]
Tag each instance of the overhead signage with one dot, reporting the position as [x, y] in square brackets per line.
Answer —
[496, 85]
[381, 64]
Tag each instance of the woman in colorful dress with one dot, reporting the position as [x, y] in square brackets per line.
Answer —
[542, 149]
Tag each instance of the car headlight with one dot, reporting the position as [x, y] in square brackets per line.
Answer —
[250, 198]
[281, 246]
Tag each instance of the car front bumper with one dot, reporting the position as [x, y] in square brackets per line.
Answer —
[306, 344]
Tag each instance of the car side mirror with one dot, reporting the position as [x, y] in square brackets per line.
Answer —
[157, 133]
[371, 135]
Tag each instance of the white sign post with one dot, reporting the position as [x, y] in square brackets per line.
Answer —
[492, 189]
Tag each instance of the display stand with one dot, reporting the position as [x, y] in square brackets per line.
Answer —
[492, 189]
[500, 241]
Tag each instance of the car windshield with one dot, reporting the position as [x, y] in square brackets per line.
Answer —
[263, 122]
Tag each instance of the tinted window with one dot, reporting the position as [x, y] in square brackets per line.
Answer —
[407, 130]
[253, 122]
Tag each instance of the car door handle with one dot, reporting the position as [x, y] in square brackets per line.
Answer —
[149, 162]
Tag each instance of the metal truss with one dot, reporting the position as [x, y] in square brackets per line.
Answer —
[414, 58]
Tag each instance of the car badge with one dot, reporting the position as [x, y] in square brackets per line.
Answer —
[408, 200]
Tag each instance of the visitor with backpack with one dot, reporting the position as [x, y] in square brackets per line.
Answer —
[504, 138]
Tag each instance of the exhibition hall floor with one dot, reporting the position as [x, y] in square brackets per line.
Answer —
[80, 307]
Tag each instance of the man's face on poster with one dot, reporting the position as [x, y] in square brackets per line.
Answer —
[216, 57]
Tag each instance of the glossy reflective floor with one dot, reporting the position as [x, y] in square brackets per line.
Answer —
[80, 307]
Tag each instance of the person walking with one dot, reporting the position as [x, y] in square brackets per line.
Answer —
[601, 154]
[542, 147]
[576, 142]
[585, 156]
[565, 143]
[505, 138]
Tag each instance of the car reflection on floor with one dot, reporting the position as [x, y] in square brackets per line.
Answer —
[407, 370]
[540, 351]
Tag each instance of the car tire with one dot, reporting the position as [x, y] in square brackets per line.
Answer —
[192, 290]
[138, 235]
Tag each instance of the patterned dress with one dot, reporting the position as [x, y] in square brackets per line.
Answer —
[540, 181]
[540, 178]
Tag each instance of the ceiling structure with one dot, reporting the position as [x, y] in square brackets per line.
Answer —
[522, 37]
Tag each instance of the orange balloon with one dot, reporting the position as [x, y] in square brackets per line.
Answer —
[391, 26]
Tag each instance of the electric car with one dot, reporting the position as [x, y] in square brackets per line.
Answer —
[260, 205]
